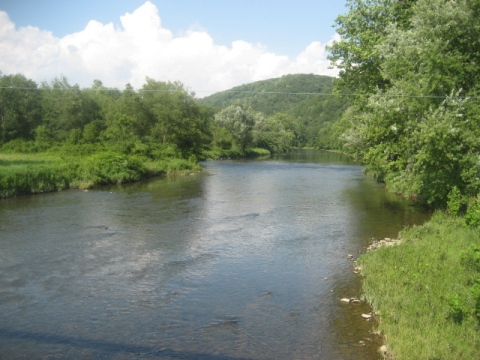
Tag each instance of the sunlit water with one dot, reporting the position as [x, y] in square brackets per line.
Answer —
[246, 260]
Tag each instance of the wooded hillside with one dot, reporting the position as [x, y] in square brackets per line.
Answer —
[307, 98]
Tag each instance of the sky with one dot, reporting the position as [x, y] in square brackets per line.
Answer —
[208, 45]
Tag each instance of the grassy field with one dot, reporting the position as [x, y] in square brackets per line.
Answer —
[38, 173]
[426, 291]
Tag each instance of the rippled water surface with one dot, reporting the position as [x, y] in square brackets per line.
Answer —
[246, 260]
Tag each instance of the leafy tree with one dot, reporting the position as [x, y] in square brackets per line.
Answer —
[274, 133]
[176, 118]
[239, 122]
[20, 109]
[65, 107]
[107, 103]
[362, 29]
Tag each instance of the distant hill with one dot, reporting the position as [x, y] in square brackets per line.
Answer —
[273, 95]
[306, 97]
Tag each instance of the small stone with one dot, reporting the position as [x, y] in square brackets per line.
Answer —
[345, 300]
[350, 256]
[367, 316]
[383, 349]
[355, 301]
[325, 278]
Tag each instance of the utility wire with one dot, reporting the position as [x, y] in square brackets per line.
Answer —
[264, 92]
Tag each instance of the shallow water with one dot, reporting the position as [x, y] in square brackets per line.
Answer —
[246, 260]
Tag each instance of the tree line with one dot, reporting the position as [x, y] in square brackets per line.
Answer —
[159, 119]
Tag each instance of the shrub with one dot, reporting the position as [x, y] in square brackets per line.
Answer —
[456, 201]
[472, 216]
[108, 167]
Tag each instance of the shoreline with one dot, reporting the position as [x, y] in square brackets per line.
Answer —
[22, 175]
[373, 315]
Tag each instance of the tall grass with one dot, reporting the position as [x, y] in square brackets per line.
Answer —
[32, 174]
[425, 292]
[22, 174]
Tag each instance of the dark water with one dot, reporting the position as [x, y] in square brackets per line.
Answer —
[228, 264]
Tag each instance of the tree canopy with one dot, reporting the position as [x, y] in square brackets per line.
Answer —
[413, 66]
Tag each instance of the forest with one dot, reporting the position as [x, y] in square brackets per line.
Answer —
[410, 72]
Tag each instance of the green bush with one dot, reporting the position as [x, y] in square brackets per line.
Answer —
[108, 168]
[472, 216]
[456, 201]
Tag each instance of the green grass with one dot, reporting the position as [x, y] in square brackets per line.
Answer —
[22, 174]
[217, 153]
[426, 290]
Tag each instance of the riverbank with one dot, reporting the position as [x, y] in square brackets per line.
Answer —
[425, 290]
[230, 154]
[22, 174]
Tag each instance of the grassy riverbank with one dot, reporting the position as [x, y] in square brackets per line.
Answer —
[426, 291]
[22, 174]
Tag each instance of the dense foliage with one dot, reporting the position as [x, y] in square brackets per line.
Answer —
[164, 120]
[304, 102]
[413, 67]
[159, 119]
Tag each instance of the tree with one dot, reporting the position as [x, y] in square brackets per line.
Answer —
[274, 133]
[176, 118]
[20, 110]
[240, 123]
[66, 107]
[362, 29]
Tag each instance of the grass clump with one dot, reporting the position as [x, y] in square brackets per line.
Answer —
[427, 290]
[22, 174]
[31, 174]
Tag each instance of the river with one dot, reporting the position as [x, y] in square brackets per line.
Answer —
[246, 260]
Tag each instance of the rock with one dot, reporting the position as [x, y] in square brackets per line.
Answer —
[350, 256]
[383, 349]
[367, 316]
[345, 300]
[377, 244]
[355, 301]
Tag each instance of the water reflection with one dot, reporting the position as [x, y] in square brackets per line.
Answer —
[244, 261]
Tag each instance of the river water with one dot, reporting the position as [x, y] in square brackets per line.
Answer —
[246, 260]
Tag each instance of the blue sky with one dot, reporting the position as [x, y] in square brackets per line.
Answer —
[271, 38]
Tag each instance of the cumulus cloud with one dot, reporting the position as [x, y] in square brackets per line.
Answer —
[143, 47]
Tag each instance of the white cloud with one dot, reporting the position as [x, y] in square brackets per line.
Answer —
[142, 47]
